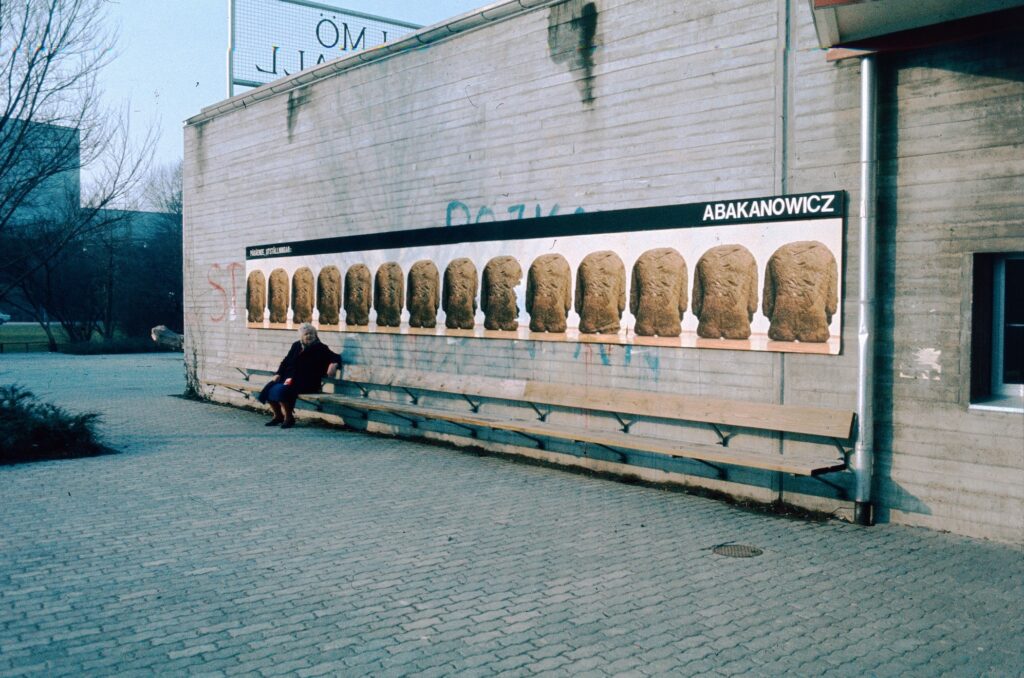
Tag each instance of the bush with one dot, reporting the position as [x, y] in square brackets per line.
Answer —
[31, 430]
[121, 345]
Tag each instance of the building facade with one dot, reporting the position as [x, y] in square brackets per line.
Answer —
[531, 109]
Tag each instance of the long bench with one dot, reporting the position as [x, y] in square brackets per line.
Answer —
[406, 395]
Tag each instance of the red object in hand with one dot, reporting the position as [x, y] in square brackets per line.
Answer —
[288, 381]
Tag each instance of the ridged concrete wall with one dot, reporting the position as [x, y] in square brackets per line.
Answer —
[682, 102]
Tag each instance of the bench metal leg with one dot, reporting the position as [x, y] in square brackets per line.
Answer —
[626, 425]
[363, 414]
[415, 423]
[842, 449]
[540, 443]
[619, 453]
[723, 437]
[245, 393]
[718, 469]
[543, 416]
[840, 490]
[473, 433]
[475, 407]
[412, 396]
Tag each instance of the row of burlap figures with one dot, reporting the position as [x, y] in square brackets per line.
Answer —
[799, 296]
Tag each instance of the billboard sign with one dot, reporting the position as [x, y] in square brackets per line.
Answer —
[756, 274]
[271, 39]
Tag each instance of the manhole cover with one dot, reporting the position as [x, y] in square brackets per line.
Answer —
[737, 550]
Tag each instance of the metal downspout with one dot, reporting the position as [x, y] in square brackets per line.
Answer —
[863, 451]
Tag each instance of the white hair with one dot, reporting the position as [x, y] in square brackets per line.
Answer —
[307, 328]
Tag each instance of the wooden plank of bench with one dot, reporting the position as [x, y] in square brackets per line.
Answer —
[708, 453]
[818, 421]
[486, 387]
[796, 419]
[791, 418]
[240, 386]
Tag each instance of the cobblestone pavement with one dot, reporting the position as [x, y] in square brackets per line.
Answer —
[211, 544]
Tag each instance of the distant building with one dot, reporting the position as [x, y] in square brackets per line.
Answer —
[46, 182]
[45, 176]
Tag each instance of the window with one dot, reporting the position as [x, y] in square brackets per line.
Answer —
[997, 333]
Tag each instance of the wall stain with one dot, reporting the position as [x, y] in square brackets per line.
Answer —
[200, 128]
[350, 354]
[572, 30]
[297, 98]
[653, 361]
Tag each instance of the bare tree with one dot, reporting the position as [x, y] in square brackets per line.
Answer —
[75, 285]
[163, 191]
[52, 125]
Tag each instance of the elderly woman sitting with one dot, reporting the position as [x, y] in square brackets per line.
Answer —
[300, 372]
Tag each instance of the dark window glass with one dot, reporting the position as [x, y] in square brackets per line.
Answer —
[1013, 324]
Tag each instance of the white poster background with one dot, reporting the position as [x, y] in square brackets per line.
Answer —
[762, 239]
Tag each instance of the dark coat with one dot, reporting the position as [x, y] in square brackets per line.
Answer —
[304, 368]
[307, 367]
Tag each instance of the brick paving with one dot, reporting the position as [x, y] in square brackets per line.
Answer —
[212, 545]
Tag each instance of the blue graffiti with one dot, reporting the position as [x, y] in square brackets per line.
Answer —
[349, 352]
[653, 362]
[459, 213]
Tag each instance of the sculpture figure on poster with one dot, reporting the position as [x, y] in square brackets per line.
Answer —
[658, 293]
[498, 293]
[423, 294]
[549, 293]
[725, 292]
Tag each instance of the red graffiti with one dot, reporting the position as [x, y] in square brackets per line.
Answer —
[232, 267]
[227, 301]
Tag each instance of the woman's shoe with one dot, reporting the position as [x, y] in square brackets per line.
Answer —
[288, 423]
[274, 422]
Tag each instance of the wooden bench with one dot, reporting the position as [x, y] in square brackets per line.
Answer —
[364, 391]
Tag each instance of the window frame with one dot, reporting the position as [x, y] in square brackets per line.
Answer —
[984, 353]
[999, 387]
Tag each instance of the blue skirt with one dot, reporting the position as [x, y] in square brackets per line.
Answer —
[276, 392]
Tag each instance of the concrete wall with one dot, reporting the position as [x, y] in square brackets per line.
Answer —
[952, 181]
[676, 102]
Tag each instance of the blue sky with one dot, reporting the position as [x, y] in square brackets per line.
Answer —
[171, 57]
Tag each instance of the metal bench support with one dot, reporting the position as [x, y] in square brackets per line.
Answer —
[718, 469]
[840, 490]
[543, 416]
[723, 437]
[475, 407]
[624, 424]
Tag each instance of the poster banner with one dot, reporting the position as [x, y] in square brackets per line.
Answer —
[759, 274]
[271, 39]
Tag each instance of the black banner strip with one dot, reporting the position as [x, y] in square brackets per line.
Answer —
[802, 206]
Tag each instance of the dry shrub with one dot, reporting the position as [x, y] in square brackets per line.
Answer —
[32, 430]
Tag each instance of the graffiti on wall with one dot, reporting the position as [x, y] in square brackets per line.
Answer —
[223, 282]
[459, 213]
